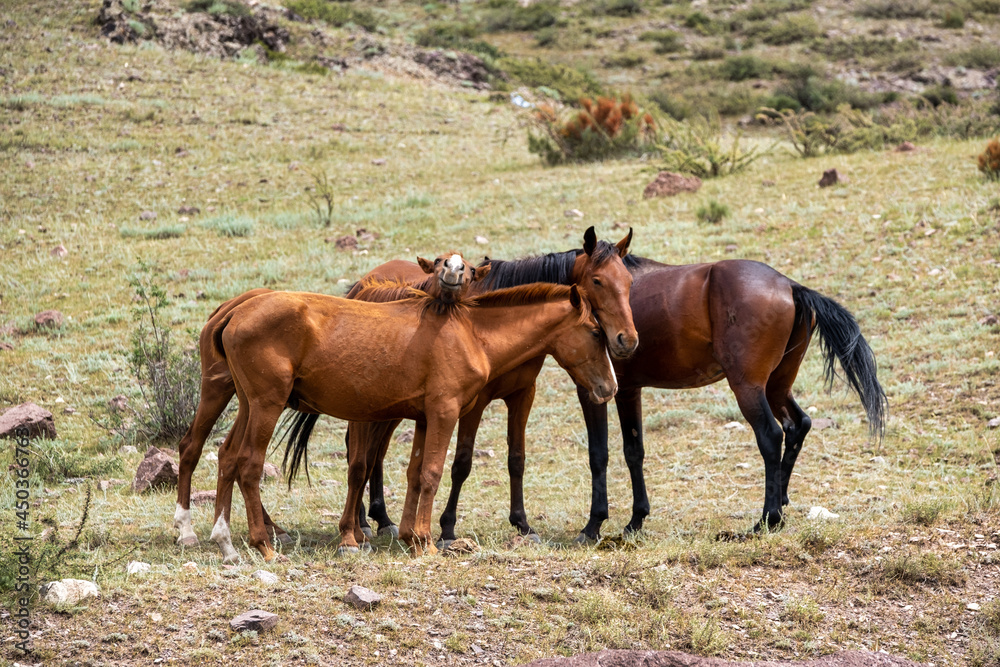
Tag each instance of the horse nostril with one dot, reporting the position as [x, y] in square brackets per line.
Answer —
[621, 340]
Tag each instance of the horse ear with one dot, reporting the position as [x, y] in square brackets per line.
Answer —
[480, 272]
[574, 295]
[624, 244]
[589, 240]
[426, 265]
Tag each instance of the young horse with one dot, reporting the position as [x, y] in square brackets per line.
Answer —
[447, 279]
[599, 265]
[742, 321]
[378, 361]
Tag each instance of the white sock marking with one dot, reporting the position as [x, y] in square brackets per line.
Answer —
[182, 522]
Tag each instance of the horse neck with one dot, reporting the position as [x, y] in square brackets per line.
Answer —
[512, 335]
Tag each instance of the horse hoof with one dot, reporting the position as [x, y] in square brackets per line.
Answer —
[347, 551]
[443, 544]
[368, 532]
[231, 560]
[584, 540]
[188, 541]
[389, 530]
[366, 547]
[284, 538]
[533, 537]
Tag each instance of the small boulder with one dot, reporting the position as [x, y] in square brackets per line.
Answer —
[48, 319]
[5, 346]
[818, 512]
[362, 598]
[346, 243]
[188, 210]
[255, 619]
[823, 423]
[59, 251]
[265, 577]
[137, 567]
[905, 147]
[37, 420]
[118, 403]
[831, 177]
[993, 423]
[271, 471]
[668, 184]
[156, 470]
[147, 215]
[460, 547]
[203, 497]
[68, 591]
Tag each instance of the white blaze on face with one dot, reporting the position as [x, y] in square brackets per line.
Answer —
[454, 263]
[182, 522]
[453, 267]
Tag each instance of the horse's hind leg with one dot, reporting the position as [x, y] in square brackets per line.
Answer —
[629, 404]
[228, 455]
[754, 406]
[794, 421]
[518, 407]
[260, 426]
[381, 436]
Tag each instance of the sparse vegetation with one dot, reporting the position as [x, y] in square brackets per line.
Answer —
[713, 212]
[667, 41]
[699, 147]
[602, 128]
[334, 13]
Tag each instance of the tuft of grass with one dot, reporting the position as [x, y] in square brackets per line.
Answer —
[924, 512]
[977, 56]
[334, 13]
[621, 8]
[570, 83]
[154, 233]
[667, 41]
[743, 67]
[953, 19]
[712, 212]
[803, 612]
[895, 9]
[230, 225]
[509, 16]
[787, 30]
[926, 568]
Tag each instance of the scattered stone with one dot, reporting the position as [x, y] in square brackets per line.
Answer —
[265, 577]
[877, 460]
[823, 423]
[482, 240]
[127, 449]
[831, 177]
[255, 619]
[118, 403]
[905, 147]
[379, 161]
[483, 453]
[627, 658]
[156, 470]
[172, 453]
[106, 484]
[972, 606]
[818, 512]
[735, 426]
[69, 410]
[190, 566]
[362, 598]
[203, 497]
[731, 248]
[48, 319]
[668, 184]
[477, 650]
[37, 420]
[461, 546]
[147, 215]
[296, 574]
[270, 472]
[211, 456]
[68, 591]
[989, 321]
[467, 69]
[365, 236]
[6, 347]
[137, 567]
[993, 423]
[573, 213]
[345, 242]
[59, 251]
[768, 183]
[405, 436]
[188, 210]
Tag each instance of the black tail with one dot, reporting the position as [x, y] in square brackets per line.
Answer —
[296, 446]
[841, 340]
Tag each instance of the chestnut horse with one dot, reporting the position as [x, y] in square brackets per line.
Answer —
[449, 280]
[599, 266]
[378, 361]
[742, 321]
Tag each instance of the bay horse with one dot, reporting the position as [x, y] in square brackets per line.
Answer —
[446, 279]
[743, 321]
[364, 361]
[599, 265]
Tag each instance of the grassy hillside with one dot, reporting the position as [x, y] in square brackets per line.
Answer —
[96, 135]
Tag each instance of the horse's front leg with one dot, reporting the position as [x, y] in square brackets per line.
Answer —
[357, 474]
[629, 404]
[424, 476]
[518, 407]
[596, 417]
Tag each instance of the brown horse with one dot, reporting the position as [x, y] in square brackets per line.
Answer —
[446, 280]
[599, 265]
[378, 361]
[742, 321]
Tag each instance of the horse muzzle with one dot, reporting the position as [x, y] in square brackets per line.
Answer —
[623, 346]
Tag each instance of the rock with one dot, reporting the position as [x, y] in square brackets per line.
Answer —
[271, 471]
[831, 177]
[482, 240]
[188, 210]
[379, 161]
[255, 619]
[573, 213]
[137, 567]
[6, 347]
[463, 68]
[211, 456]
[989, 320]
[877, 460]
[993, 423]
[106, 484]
[905, 147]
[362, 598]
[265, 577]
[818, 512]
[973, 606]
[296, 574]
[127, 449]
[118, 403]
[483, 453]
[822, 423]
[203, 497]
[405, 436]
[172, 453]
[190, 566]
[147, 215]
[346, 243]
[735, 426]
[37, 420]
[668, 184]
[68, 591]
[625, 658]
[768, 183]
[59, 251]
[48, 319]
[461, 546]
[156, 470]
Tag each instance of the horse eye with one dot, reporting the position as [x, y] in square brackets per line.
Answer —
[596, 333]
[437, 261]
[597, 281]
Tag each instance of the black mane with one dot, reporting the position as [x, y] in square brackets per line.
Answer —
[555, 267]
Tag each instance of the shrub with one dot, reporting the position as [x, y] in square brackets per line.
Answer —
[764, 11]
[895, 9]
[698, 147]
[158, 233]
[617, 8]
[788, 30]
[978, 56]
[863, 47]
[989, 160]
[713, 212]
[455, 35]
[667, 41]
[569, 83]
[671, 104]
[217, 7]
[984, 6]
[816, 93]
[953, 19]
[848, 131]
[603, 128]
[230, 225]
[938, 95]
[623, 60]
[743, 67]
[546, 37]
[333, 13]
[511, 17]
[702, 24]
[709, 53]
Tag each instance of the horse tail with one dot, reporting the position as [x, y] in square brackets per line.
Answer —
[841, 340]
[296, 438]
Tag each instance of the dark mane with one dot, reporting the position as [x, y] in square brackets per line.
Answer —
[555, 267]
[381, 290]
[633, 262]
[527, 295]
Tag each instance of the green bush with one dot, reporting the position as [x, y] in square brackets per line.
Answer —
[764, 11]
[978, 56]
[672, 104]
[709, 53]
[938, 95]
[230, 225]
[667, 41]
[570, 83]
[984, 6]
[546, 37]
[713, 212]
[333, 13]
[702, 23]
[698, 147]
[508, 16]
[617, 8]
[217, 7]
[743, 67]
[455, 35]
[156, 233]
[863, 47]
[848, 131]
[895, 9]
[623, 61]
[787, 30]
[953, 19]
[815, 93]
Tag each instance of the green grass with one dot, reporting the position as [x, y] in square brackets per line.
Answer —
[918, 277]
